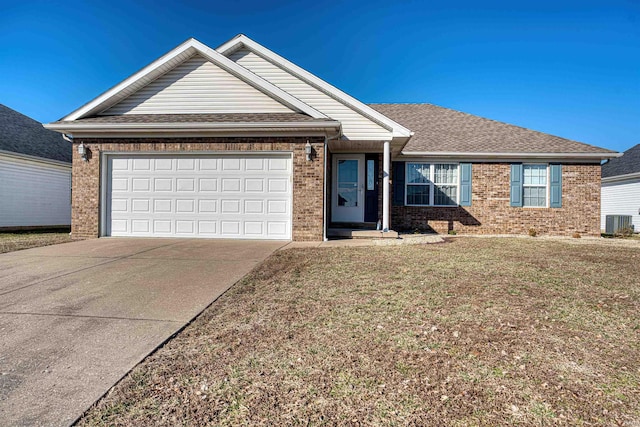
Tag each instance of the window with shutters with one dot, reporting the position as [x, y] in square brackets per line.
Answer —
[432, 184]
[535, 186]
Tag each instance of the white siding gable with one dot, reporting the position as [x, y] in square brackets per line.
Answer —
[621, 198]
[34, 193]
[354, 125]
[197, 86]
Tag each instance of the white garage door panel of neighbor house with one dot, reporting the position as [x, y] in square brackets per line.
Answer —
[208, 196]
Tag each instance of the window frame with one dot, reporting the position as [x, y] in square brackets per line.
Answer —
[431, 184]
[547, 185]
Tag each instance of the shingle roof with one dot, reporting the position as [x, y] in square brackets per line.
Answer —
[22, 134]
[438, 129]
[628, 163]
[198, 118]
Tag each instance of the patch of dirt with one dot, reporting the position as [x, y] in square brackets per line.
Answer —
[475, 332]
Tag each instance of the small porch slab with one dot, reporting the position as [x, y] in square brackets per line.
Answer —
[354, 233]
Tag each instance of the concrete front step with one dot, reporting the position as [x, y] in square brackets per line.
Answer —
[350, 233]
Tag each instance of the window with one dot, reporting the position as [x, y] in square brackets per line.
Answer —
[371, 175]
[534, 186]
[432, 184]
[418, 184]
[446, 185]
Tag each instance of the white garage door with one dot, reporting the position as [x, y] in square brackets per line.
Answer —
[211, 196]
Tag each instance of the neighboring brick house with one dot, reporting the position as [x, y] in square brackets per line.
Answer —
[238, 142]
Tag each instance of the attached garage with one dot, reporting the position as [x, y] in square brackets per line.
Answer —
[246, 196]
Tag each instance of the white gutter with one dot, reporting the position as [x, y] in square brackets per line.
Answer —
[28, 157]
[624, 177]
[188, 126]
[457, 154]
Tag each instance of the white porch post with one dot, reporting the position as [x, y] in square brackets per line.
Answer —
[386, 164]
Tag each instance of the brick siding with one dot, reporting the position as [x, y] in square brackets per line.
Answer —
[308, 177]
[490, 211]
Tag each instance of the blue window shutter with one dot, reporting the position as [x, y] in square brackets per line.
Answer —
[516, 184]
[398, 183]
[555, 193]
[465, 184]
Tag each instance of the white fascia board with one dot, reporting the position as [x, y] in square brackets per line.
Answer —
[213, 56]
[628, 176]
[245, 133]
[510, 156]
[25, 158]
[164, 130]
[241, 40]
[186, 126]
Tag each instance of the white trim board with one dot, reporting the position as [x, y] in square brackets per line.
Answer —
[25, 158]
[618, 178]
[571, 157]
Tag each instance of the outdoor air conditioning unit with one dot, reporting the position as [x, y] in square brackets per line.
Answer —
[616, 222]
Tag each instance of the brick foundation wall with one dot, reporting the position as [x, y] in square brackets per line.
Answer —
[491, 213]
[308, 176]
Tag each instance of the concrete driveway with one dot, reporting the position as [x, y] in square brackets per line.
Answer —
[76, 317]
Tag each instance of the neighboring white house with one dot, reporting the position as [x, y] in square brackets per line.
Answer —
[35, 174]
[621, 187]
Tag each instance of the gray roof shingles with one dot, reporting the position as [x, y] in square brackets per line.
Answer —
[438, 129]
[23, 135]
[628, 163]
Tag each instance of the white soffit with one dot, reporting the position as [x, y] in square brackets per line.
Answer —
[172, 59]
[241, 41]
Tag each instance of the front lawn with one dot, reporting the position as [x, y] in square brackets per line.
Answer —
[489, 331]
[16, 241]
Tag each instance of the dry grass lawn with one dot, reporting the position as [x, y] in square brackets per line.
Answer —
[10, 242]
[526, 332]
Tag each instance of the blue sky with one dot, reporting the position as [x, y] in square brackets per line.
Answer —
[567, 68]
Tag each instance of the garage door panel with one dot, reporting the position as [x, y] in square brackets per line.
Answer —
[208, 184]
[141, 164]
[254, 185]
[200, 196]
[161, 226]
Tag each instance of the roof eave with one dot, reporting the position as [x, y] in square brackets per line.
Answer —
[191, 129]
[616, 178]
[512, 155]
[38, 159]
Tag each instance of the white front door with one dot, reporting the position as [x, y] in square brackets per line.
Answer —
[347, 197]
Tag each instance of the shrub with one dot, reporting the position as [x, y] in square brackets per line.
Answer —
[576, 235]
[624, 232]
[453, 232]
[533, 232]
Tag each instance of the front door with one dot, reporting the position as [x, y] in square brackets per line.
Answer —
[347, 197]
